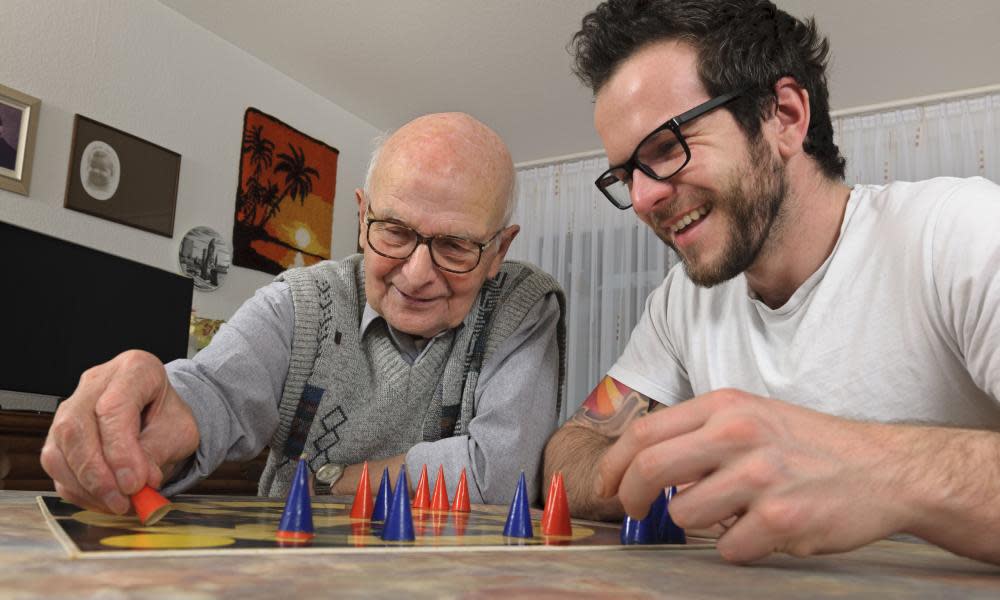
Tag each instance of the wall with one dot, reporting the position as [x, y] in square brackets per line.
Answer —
[143, 68]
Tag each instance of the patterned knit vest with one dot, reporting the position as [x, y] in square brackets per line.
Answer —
[349, 398]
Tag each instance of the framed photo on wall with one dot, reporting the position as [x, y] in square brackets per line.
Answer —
[18, 124]
[284, 202]
[122, 178]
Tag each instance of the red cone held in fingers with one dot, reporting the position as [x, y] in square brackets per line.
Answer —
[150, 505]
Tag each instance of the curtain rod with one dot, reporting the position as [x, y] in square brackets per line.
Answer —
[836, 114]
[558, 159]
[907, 102]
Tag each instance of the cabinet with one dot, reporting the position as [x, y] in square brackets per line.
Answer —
[22, 434]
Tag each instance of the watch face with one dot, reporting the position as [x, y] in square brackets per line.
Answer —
[329, 473]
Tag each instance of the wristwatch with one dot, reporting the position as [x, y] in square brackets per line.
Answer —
[330, 473]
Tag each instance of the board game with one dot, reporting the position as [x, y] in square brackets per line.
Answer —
[212, 525]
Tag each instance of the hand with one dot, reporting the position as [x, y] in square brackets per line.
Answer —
[123, 427]
[796, 480]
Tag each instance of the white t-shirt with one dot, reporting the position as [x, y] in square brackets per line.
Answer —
[900, 323]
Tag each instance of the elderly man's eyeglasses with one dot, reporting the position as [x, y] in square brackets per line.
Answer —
[660, 155]
[451, 253]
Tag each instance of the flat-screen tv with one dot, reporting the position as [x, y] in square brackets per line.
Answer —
[66, 308]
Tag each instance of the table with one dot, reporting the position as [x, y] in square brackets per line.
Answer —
[33, 564]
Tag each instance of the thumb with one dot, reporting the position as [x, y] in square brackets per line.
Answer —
[169, 435]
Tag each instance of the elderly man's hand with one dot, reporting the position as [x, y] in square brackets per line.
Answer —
[796, 480]
[123, 427]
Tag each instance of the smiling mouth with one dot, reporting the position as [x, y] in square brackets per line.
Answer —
[690, 218]
[414, 299]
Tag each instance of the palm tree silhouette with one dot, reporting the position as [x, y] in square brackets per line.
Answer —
[298, 179]
[251, 200]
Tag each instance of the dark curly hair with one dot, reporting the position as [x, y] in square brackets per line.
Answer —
[741, 44]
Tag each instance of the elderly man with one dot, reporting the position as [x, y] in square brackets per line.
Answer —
[826, 362]
[428, 349]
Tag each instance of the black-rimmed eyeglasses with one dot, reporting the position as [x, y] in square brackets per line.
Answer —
[451, 253]
[660, 155]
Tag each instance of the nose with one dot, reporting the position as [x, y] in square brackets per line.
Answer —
[648, 193]
[419, 268]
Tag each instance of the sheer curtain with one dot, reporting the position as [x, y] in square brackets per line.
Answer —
[608, 261]
[959, 137]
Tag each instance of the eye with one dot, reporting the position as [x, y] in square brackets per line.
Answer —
[452, 247]
[391, 233]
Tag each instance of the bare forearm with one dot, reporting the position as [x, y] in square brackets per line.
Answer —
[953, 486]
[575, 451]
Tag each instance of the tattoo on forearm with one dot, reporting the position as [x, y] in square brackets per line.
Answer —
[610, 407]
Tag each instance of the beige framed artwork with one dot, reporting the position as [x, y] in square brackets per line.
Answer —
[122, 178]
[18, 124]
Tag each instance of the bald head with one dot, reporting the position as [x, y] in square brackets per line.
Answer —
[451, 146]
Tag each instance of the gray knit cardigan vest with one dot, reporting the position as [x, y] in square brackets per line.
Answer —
[349, 398]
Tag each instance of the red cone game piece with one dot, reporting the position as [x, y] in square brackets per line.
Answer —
[461, 503]
[150, 506]
[440, 499]
[363, 502]
[555, 519]
[422, 499]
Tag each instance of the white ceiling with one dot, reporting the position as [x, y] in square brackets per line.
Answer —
[505, 61]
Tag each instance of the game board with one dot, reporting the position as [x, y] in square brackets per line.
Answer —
[212, 525]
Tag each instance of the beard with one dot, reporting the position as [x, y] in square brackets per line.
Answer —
[753, 198]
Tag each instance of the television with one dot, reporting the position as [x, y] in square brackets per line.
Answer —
[66, 308]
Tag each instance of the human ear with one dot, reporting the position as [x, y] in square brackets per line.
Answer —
[791, 116]
[359, 195]
[506, 237]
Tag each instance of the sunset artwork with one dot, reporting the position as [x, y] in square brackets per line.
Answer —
[284, 204]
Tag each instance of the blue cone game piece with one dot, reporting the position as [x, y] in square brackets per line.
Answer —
[668, 532]
[519, 517]
[398, 525]
[644, 531]
[296, 521]
[383, 498]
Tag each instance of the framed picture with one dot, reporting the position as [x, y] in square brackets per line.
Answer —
[18, 124]
[205, 257]
[122, 178]
[284, 202]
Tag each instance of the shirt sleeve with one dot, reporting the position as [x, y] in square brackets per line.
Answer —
[515, 402]
[965, 261]
[649, 364]
[233, 386]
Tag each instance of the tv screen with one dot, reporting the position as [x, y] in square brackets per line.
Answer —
[66, 308]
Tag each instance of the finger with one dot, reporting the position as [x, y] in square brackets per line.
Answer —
[716, 498]
[80, 444]
[137, 383]
[748, 540]
[687, 458]
[65, 480]
[647, 431]
[169, 435]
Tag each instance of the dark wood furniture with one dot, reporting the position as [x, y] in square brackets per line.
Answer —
[22, 434]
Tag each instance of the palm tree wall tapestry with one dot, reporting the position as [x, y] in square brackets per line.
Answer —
[284, 204]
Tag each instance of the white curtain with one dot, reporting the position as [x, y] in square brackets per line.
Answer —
[959, 137]
[606, 260]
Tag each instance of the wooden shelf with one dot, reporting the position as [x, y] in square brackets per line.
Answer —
[22, 435]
